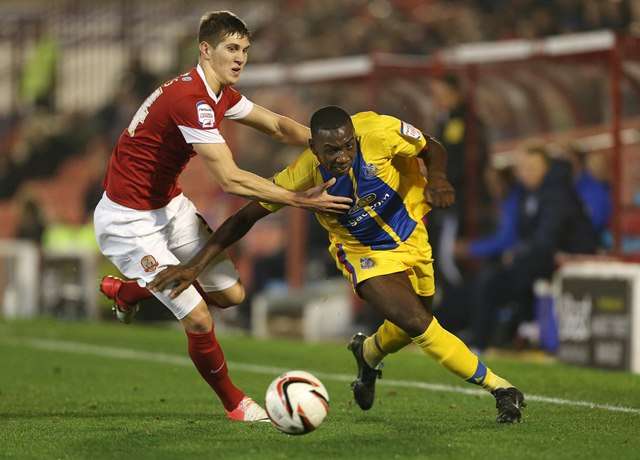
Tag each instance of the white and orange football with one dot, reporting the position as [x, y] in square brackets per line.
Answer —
[297, 402]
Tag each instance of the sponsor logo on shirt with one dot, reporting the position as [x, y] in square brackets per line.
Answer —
[206, 117]
[187, 78]
[371, 200]
[362, 202]
[410, 131]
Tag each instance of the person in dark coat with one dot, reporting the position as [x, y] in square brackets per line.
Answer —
[551, 219]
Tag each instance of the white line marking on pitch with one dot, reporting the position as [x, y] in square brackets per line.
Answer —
[123, 353]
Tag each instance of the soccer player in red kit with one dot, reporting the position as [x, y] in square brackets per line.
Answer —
[144, 223]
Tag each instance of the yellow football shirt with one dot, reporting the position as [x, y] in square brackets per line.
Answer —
[385, 183]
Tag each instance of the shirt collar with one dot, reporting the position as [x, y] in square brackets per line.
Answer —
[206, 85]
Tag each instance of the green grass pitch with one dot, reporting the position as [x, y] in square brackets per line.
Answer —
[93, 391]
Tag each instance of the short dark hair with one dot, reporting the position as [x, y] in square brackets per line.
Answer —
[216, 25]
[535, 148]
[328, 118]
[452, 81]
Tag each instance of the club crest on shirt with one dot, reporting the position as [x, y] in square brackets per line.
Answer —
[366, 262]
[410, 131]
[149, 263]
[206, 117]
[370, 170]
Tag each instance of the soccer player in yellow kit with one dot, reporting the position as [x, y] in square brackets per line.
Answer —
[380, 245]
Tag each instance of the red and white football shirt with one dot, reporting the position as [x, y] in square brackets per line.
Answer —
[152, 152]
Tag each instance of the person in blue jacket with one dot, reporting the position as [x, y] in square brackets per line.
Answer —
[551, 219]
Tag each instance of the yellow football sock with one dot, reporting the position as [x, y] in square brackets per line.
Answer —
[453, 354]
[493, 381]
[389, 338]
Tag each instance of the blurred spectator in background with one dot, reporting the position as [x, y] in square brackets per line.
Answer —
[505, 195]
[31, 220]
[551, 219]
[138, 79]
[185, 54]
[117, 112]
[591, 178]
[66, 234]
[594, 188]
[463, 136]
[41, 143]
[136, 85]
[10, 138]
[38, 79]
[98, 149]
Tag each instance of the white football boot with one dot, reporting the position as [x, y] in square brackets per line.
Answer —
[248, 410]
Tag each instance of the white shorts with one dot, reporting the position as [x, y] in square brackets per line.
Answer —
[143, 243]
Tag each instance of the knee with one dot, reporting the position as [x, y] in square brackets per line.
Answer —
[198, 320]
[418, 324]
[235, 295]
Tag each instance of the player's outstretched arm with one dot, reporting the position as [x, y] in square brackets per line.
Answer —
[236, 181]
[180, 277]
[233, 229]
[439, 191]
[279, 127]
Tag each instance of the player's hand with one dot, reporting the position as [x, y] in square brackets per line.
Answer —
[318, 200]
[176, 277]
[439, 192]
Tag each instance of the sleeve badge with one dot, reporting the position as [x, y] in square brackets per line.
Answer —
[410, 131]
[206, 116]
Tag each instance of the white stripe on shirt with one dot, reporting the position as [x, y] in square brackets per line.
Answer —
[242, 108]
[201, 136]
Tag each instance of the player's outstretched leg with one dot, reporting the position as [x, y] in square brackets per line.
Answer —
[207, 356]
[225, 298]
[393, 296]
[125, 296]
[369, 353]
[453, 354]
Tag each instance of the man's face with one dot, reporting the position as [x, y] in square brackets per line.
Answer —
[228, 58]
[335, 149]
[530, 169]
[598, 165]
[445, 97]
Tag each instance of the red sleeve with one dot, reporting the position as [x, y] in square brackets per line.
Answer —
[196, 120]
[234, 96]
[239, 106]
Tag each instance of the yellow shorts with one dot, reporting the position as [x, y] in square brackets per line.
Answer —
[413, 256]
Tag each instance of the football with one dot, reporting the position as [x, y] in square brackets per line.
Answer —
[297, 402]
